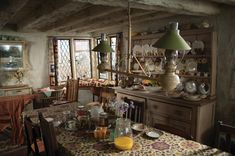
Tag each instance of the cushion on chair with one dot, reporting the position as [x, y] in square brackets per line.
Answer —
[41, 147]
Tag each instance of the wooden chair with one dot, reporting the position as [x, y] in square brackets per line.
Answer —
[49, 137]
[136, 114]
[72, 90]
[224, 135]
[96, 92]
[172, 130]
[19, 151]
[35, 146]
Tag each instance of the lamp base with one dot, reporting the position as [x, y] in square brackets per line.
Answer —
[169, 81]
[102, 66]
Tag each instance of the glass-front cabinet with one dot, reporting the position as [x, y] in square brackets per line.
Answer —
[12, 55]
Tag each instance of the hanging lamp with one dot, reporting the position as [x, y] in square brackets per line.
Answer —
[172, 42]
[103, 48]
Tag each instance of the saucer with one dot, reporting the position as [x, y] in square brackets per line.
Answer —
[154, 134]
[138, 127]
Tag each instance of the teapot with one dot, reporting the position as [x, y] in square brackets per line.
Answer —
[95, 109]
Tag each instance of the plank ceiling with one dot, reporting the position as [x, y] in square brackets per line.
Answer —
[91, 16]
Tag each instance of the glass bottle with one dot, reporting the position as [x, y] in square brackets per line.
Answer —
[103, 119]
[123, 136]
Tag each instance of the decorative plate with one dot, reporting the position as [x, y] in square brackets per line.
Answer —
[180, 66]
[197, 46]
[190, 87]
[147, 50]
[191, 65]
[136, 66]
[204, 88]
[138, 50]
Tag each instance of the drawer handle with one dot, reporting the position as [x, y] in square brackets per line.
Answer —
[18, 91]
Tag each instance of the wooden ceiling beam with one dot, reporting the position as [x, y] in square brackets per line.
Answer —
[187, 7]
[10, 10]
[229, 2]
[89, 13]
[124, 22]
[48, 12]
[112, 17]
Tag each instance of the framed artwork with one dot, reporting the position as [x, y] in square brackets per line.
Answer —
[52, 80]
[12, 55]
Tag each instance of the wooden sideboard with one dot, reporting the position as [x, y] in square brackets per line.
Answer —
[13, 91]
[195, 118]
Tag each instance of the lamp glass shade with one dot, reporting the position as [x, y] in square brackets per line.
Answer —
[172, 41]
[103, 47]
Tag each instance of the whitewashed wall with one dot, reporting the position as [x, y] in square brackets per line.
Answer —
[37, 76]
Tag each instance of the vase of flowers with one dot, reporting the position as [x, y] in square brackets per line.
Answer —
[123, 138]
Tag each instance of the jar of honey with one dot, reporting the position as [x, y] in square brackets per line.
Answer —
[103, 119]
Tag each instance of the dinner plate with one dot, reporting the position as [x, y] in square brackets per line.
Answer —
[190, 87]
[197, 46]
[204, 88]
[138, 50]
[191, 65]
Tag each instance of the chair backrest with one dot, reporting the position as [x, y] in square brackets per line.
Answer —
[136, 114]
[224, 135]
[72, 89]
[19, 151]
[30, 135]
[49, 137]
[172, 130]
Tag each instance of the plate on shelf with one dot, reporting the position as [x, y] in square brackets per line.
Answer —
[190, 87]
[191, 65]
[136, 66]
[138, 50]
[147, 50]
[180, 66]
[197, 46]
[204, 88]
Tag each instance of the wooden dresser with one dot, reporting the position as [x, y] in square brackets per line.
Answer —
[196, 119]
[13, 91]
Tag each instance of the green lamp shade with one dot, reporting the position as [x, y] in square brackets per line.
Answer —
[172, 41]
[103, 47]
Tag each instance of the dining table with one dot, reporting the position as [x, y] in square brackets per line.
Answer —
[83, 143]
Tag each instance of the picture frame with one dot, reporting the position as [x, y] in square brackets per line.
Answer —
[13, 55]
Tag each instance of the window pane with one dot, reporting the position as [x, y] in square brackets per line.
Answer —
[64, 67]
[82, 58]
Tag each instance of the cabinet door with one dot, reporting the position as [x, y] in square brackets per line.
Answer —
[176, 112]
[172, 116]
